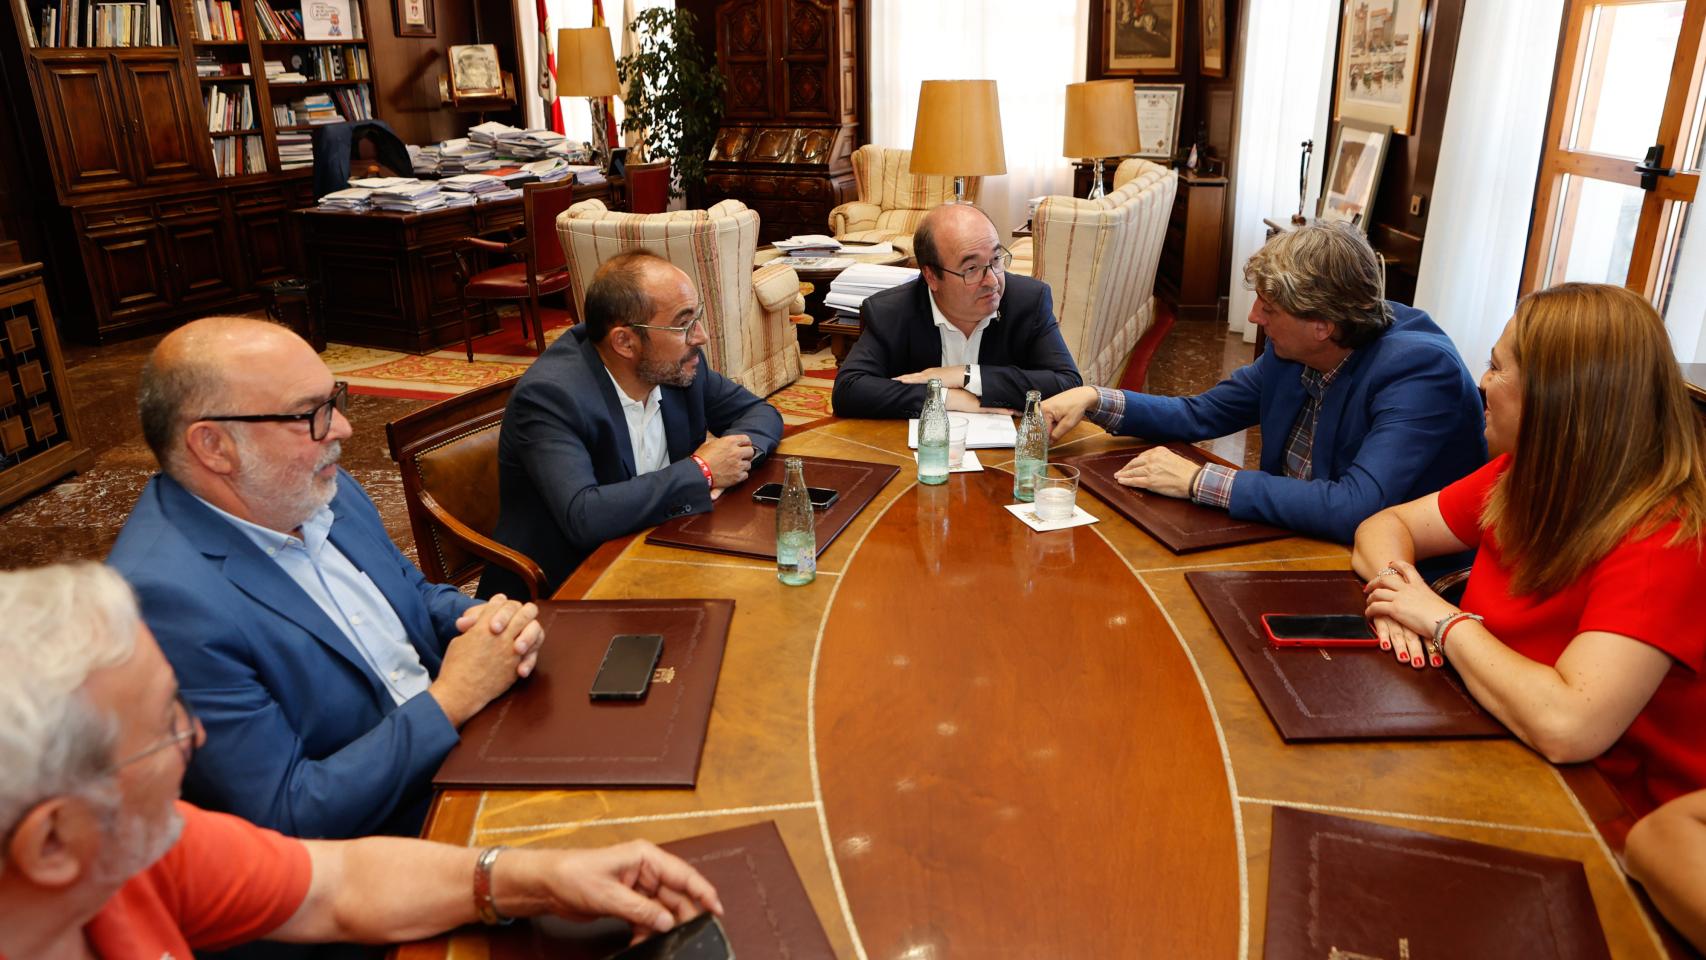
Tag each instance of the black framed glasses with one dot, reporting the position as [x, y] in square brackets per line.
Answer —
[184, 729]
[973, 275]
[319, 419]
[686, 329]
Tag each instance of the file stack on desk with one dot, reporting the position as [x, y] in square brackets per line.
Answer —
[532, 144]
[295, 149]
[848, 291]
[809, 245]
[354, 199]
[408, 196]
[461, 155]
[587, 173]
[477, 186]
[548, 170]
[488, 133]
[424, 160]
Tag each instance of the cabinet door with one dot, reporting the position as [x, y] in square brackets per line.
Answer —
[203, 268]
[809, 79]
[163, 132]
[269, 243]
[127, 272]
[747, 60]
[84, 124]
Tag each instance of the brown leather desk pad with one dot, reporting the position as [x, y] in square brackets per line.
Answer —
[766, 912]
[1180, 525]
[546, 732]
[1351, 889]
[739, 526]
[1342, 694]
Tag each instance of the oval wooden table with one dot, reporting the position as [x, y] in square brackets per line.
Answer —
[979, 741]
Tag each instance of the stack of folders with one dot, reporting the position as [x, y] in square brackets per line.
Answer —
[351, 198]
[424, 160]
[462, 155]
[847, 292]
[295, 149]
[466, 188]
[408, 196]
[548, 170]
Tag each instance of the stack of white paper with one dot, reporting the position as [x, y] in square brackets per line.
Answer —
[406, 195]
[352, 198]
[473, 183]
[849, 290]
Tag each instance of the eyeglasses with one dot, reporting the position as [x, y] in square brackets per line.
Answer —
[974, 275]
[319, 419]
[184, 730]
[686, 329]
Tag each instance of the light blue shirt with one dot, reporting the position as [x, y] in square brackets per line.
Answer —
[346, 595]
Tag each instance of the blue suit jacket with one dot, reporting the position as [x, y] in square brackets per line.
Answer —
[1401, 420]
[1020, 350]
[566, 479]
[302, 736]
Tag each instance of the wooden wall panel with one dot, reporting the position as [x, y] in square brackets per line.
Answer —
[407, 69]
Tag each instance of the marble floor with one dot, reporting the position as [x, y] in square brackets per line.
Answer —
[79, 517]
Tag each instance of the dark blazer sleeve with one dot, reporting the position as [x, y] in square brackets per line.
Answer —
[864, 385]
[731, 408]
[1037, 355]
[1231, 405]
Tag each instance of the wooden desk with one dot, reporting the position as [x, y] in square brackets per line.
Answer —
[982, 742]
[389, 279]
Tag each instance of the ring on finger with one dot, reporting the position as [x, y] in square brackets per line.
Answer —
[1385, 572]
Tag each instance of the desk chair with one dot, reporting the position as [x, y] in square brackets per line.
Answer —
[648, 187]
[448, 456]
[541, 271]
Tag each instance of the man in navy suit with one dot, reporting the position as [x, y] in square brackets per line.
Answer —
[606, 433]
[330, 675]
[989, 337]
[1363, 403]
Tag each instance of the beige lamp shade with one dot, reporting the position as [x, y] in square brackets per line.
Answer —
[959, 130]
[1101, 119]
[586, 67]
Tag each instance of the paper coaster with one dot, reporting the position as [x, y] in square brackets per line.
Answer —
[971, 464]
[1027, 512]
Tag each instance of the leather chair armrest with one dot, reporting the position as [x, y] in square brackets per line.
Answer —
[486, 548]
[777, 286]
[853, 215]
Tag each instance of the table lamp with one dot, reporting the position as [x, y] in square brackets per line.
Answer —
[586, 67]
[959, 132]
[1101, 121]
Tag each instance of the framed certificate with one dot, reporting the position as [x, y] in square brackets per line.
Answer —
[1158, 117]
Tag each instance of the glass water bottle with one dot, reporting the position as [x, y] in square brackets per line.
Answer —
[1030, 453]
[796, 533]
[933, 436]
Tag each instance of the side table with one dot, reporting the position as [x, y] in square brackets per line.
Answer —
[841, 335]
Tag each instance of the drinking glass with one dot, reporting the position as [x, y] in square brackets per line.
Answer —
[1057, 492]
[957, 428]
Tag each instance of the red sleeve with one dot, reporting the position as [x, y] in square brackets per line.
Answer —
[1651, 591]
[1460, 503]
[233, 881]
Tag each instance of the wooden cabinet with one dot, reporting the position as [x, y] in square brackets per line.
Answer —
[1188, 277]
[39, 434]
[791, 110]
[163, 134]
[84, 124]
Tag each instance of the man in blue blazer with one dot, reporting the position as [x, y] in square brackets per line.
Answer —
[606, 433]
[989, 337]
[330, 675]
[1363, 403]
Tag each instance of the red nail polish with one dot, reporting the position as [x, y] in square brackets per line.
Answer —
[1385, 644]
[1417, 663]
[1436, 661]
[1403, 656]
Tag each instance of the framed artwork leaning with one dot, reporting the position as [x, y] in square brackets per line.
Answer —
[1380, 45]
[1140, 36]
[474, 71]
[1213, 33]
[414, 18]
[1353, 171]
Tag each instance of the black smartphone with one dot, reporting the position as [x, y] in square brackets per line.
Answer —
[821, 497]
[1318, 630]
[627, 668]
[701, 938]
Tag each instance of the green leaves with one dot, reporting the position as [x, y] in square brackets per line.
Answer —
[673, 94]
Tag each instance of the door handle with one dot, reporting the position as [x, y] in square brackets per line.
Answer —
[1649, 168]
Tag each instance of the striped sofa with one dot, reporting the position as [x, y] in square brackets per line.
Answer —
[1099, 259]
[751, 340]
[891, 199]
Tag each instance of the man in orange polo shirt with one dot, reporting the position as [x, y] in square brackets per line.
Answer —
[102, 860]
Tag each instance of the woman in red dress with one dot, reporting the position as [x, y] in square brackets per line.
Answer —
[1583, 625]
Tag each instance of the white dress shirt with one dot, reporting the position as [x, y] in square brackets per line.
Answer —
[957, 348]
[645, 428]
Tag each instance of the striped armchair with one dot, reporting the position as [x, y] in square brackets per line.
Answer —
[891, 200]
[1099, 259]
[751, 340]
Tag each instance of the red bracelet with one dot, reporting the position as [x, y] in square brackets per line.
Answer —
[705, 468]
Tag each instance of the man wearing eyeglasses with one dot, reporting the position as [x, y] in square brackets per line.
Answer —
[100, 859]
[606, 433]
[331, 675]
[988, 336]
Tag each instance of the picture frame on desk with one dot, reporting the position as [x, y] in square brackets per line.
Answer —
[1159, 112]
[414, 18]
[1213, 33]
[474, 71]
[1140, 36]
[1353, 171]
[1380, 44]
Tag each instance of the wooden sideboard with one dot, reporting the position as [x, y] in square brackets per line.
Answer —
[39, 435]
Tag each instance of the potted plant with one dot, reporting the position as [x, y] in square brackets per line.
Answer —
[672, 93]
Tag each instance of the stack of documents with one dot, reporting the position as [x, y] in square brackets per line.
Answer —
[295, 149]
[352, 198]
[587, 172]
[489, 132]
[818, 245]
[476, 184]
[571, 151]
[406, 195]
[461, 155]
[849, 290]
[527, 144]
[548, 170]
[424, 160]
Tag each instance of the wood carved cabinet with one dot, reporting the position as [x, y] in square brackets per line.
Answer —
[791, 110]
[39, 435]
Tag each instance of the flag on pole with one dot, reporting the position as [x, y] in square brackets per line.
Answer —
[603, 118]
[548, 70]
[634, 140]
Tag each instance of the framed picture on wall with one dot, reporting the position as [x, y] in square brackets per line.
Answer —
[413, 18]
[1213, 33]
[1353, 171]
[1380, 45]
[1158, 115]
[474, 71]
[1140, 36]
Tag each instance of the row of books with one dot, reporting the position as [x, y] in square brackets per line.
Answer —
[283, 24]
[80, 23]
[217, 20]
[356, 103]
[309, 111]
[295, 149]
[208, 65]
[229, 108]
[235, 156]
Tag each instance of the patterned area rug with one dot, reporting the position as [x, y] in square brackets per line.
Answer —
[497, 356]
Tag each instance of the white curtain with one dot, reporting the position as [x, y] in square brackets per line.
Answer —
[1031, 50]
[1286, 75]
[577, 118]
[1495, 125]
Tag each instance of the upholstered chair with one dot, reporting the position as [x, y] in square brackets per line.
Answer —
[752, 341]
[1099, 259]
[891, 199]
